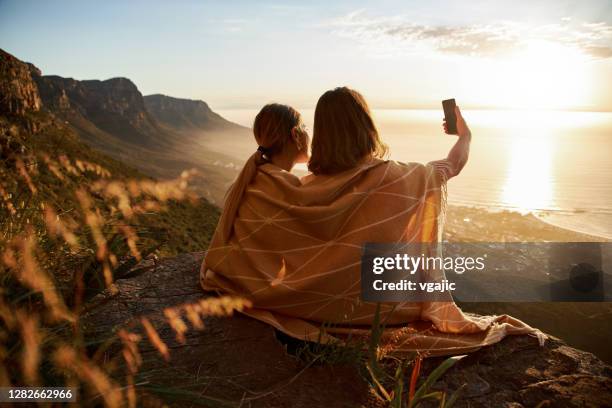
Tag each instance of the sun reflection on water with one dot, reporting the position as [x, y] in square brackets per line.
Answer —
[529, 182]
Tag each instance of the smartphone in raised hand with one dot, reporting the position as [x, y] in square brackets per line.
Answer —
[450, 117]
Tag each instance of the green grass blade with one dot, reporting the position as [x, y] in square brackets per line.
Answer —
[433, 377]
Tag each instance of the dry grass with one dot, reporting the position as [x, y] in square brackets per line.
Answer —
[57, 251]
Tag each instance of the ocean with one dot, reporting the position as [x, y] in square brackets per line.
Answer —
[553, 164]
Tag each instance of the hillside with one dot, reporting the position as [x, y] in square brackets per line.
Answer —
[159, 135]
[73, 222]
[30, 133]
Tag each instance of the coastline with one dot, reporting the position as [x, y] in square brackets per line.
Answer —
[471, 224]
[548, 219]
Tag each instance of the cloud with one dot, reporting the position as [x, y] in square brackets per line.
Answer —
[399, 34]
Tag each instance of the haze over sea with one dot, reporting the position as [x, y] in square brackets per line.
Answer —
[554, 164]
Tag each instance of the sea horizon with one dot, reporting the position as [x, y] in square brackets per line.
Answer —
[552, 164]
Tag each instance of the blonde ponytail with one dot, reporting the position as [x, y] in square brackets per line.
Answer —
[234, 195]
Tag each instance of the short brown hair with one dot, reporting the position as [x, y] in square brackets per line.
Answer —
[344, 132]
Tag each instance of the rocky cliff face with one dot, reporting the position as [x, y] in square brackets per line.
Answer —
[18, 92]
[115, 106]
[185, 114]
[110, 109]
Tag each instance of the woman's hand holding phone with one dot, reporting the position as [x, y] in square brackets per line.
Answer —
[462, 128]
[460, 152]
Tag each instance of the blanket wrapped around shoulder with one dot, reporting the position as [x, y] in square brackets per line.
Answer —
[295, 249]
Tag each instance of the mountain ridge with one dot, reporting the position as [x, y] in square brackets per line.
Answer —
[161, 140]
[185, 114]
[114, 106]
[115, 110]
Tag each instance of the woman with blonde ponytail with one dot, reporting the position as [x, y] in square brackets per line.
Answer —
[283, 142]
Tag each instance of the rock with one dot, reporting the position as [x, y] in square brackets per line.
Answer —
[239, 359]
[232, 359]
[18, 92]
[518, 371]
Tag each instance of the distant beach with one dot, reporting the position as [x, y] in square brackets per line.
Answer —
[476, 224]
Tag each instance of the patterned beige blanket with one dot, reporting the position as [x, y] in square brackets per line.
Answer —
[295, 251]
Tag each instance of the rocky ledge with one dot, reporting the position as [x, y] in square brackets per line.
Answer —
[18, 91]
[240, 361]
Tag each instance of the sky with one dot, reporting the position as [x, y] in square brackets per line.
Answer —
[399, 54]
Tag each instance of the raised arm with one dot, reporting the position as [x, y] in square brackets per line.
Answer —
[459, 153]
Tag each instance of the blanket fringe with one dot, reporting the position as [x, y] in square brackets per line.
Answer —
[540, 336]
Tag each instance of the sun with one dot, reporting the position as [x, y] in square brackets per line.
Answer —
[548, 75]
[537, 74]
